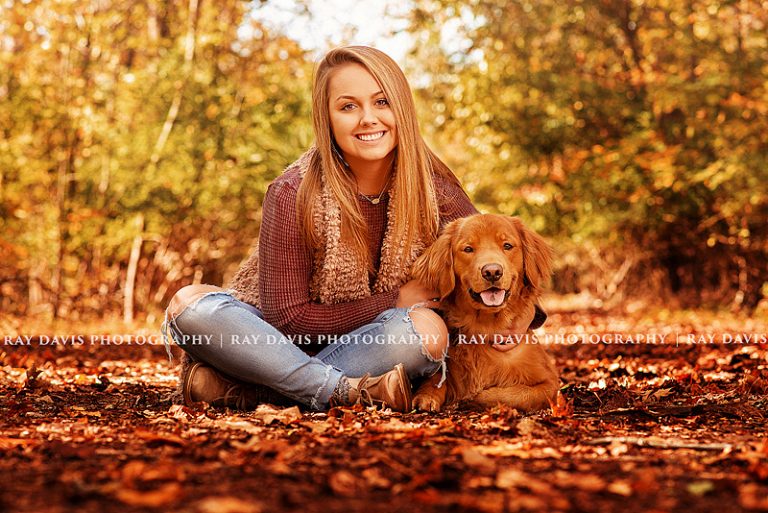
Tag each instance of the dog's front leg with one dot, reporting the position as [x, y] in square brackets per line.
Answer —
[429, 397]
[522, 397]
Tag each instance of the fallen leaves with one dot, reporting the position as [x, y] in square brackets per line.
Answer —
[620, 487]
[344, 484]
[154, 438]
[658, 429]
[509, 478]
[561, 406]
[144, 484]
[475, 459]
[162, 496]
[269, 414]
[183, 413]
[659, 442]
[7, 444]
[528, 426]
[580, 481]
[757, 459]
[700, 488]
[218, 504]
[752, 496]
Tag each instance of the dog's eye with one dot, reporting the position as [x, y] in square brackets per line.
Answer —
[468, 249]
[508, 246]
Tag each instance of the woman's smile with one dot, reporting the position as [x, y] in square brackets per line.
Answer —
[374, 136]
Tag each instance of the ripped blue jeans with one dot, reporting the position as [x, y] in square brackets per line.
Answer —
[233, 337]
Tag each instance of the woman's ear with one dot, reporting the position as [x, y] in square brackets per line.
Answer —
[537, 256]
[434, 268]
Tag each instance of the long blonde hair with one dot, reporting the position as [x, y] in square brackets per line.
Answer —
[416, 212]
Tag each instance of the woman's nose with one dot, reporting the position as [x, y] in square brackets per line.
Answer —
[368, 116]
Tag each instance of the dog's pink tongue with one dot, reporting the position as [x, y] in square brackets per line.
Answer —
[492, 297]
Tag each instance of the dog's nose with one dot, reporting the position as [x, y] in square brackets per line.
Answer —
[492, 272]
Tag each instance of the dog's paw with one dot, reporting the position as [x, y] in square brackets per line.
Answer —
[425, 402]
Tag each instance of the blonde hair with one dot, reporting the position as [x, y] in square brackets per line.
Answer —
[416, 212]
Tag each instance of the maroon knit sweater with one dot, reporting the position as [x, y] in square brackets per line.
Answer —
[285, 261]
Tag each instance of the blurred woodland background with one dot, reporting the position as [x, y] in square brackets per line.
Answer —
[138, 138]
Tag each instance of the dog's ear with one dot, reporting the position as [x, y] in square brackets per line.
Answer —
[537, 256]
[434, 268]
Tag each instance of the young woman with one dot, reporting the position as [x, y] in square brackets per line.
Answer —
[341, 228]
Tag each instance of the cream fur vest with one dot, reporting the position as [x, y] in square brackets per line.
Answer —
[338, 273]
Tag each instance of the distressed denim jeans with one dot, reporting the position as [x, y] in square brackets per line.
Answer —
[233, 337]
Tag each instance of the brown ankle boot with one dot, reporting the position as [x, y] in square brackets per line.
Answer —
[203, 383]
[392, 389]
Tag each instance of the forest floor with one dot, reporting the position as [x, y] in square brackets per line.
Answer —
[672, 426]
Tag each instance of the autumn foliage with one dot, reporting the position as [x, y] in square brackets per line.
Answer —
[139, 137]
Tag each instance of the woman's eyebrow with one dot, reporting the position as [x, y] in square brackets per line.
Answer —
[348, 97]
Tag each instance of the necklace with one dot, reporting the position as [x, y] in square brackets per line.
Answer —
[377, 199]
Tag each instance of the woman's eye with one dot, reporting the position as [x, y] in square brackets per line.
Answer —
[468, 249]
[508, 246]
[382, 102]
[348, 106]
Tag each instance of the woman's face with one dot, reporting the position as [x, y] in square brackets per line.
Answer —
[362, 121]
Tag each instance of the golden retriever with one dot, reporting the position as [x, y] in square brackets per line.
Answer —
[488, 270]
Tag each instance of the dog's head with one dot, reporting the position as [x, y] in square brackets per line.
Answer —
[483, 260]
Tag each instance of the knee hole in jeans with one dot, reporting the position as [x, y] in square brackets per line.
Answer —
[431, 327]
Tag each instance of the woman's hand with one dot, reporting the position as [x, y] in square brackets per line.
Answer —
[414, 292]
[508, 340]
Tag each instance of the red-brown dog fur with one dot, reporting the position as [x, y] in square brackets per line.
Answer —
[524, 377]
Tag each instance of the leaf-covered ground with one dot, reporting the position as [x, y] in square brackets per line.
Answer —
[639, 427]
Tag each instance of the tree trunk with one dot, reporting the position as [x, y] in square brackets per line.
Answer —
[130, 275]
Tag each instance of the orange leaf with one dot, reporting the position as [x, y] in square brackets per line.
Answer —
[150, 437]
[162, 496]
[561, 406]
